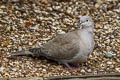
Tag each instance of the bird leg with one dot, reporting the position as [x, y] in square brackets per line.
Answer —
[72, 68]
[69, 67]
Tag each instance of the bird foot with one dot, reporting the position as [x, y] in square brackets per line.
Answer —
[68, 66]
[72, 68]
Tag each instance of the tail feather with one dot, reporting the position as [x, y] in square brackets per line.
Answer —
[36, 51]
[32, 51]
[22, 53]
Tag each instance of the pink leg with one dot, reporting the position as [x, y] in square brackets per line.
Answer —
[69, 67]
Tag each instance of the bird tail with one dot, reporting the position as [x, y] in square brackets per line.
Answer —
[32, 51]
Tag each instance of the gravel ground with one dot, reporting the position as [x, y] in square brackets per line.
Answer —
[30, 23]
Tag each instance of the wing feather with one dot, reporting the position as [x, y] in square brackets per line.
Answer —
[65, 46]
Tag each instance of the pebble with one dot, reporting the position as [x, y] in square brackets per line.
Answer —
[82, 71]
[60, 32]
[69, 10]
[117, 69]
[15, 0]
[56, 7]
[1, 69]
[49, 8]
[66, 20]
[19, 48]
[45, 39]
[118, 57]
[30, 43]
[109, 62]
[33, 28]
[44, 70]
[89, 70]
[37, 11]
[1, 11]
[107, 54]
[118, 24]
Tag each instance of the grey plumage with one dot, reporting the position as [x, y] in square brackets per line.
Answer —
[73, 47]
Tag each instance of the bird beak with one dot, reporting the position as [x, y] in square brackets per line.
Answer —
[79, 23]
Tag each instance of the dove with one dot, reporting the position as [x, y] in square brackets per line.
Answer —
[69, 48]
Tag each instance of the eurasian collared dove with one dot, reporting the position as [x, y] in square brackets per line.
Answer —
[72, 47]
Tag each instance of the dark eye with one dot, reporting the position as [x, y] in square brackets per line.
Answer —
[87, 20]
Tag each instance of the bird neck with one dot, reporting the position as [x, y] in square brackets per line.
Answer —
[90, 30]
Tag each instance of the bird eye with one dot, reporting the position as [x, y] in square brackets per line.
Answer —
[87, 20]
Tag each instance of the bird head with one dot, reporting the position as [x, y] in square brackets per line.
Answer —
[86, 22]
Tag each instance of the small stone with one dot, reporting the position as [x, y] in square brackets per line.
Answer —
[118, 57]
[33, 28]
[89, 70]
[38, 44]
[105, 27]
[111, 70]
[56, 7]
[15, 0]
[98, 26]
[44, 70]
[1, 11]
[30, 44]
[45, 39]
[83, 71]
[16, 36]
[37, 11]
[117, 10]
[108, 55]
[66, 20]
[69, 10]
[109, 62]
[97, 5]
[1, 69]
[19, 48]
[117, 69]
[2, 6]
[49, 8]
[118, 24]
[60, 32]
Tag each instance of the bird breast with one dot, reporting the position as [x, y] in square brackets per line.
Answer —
[88, 41]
